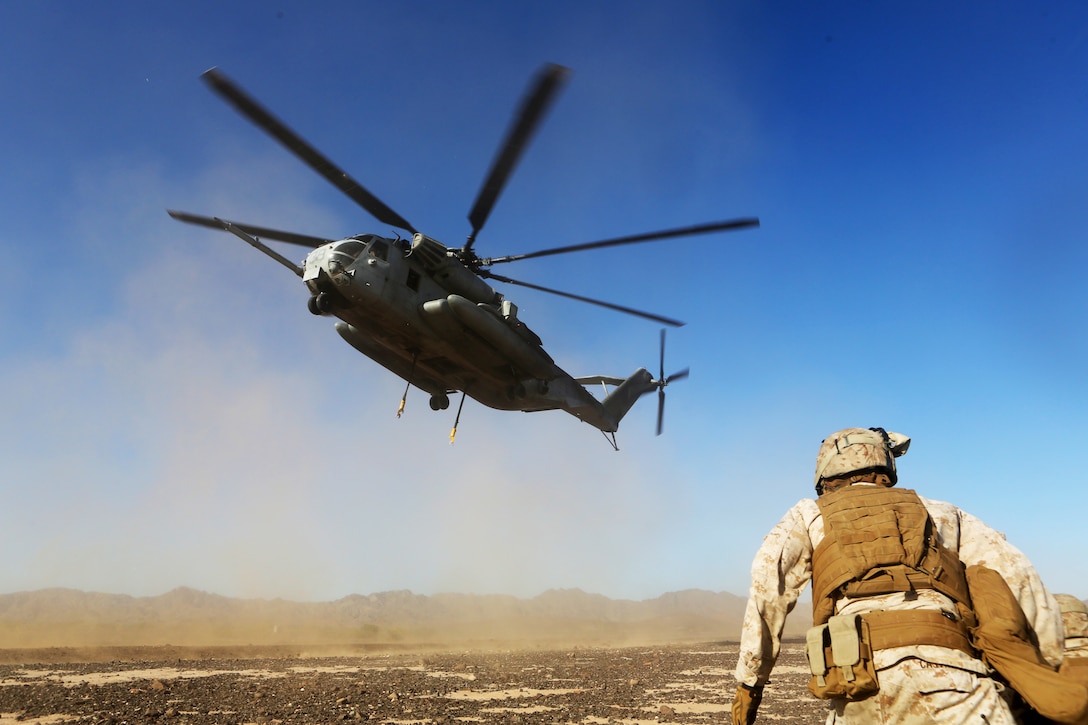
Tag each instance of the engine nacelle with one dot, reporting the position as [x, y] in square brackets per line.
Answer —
[448, 271]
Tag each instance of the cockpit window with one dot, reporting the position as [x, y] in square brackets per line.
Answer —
[379, 250]
[352, 249]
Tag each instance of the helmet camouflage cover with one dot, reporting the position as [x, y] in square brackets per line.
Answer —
[854, 450]
[1074, 616]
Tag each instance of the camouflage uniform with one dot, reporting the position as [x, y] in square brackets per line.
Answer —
[920, 683]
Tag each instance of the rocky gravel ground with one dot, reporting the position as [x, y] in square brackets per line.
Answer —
[674, 684]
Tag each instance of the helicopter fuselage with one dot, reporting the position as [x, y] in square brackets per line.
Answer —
[418, 312]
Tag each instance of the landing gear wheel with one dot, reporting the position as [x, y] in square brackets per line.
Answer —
[440, 402]
[320, 304]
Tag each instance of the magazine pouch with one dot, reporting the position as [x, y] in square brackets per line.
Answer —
[841, 659]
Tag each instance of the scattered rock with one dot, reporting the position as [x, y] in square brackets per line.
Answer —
[533, 687]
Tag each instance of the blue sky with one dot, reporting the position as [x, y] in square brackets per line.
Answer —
[173, 415]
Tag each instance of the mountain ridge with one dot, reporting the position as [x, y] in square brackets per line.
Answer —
[70, 617]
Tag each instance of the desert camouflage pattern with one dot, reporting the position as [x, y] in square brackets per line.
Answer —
[858, 449]
[916, 692]
[783, 568]
[1075, 623]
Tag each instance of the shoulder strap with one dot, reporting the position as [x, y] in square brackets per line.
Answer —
[876, 541]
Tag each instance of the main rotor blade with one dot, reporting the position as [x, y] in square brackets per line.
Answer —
[261, 117]
[648, 237]
[262, 247]
[590, 300]
[304, 240]
[532, 110]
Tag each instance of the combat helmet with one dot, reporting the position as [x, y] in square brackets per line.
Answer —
[859, 450]
[1070, 604]
[1074, 617]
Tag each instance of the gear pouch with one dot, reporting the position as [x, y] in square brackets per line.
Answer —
[841, 659]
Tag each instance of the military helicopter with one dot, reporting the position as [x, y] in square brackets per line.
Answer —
[424, 310]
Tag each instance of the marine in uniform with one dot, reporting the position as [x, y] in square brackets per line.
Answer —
[890, 604]
[1075, 624]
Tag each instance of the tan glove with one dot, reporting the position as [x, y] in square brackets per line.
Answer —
[745, 704]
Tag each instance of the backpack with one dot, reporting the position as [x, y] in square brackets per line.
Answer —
[1007, 645]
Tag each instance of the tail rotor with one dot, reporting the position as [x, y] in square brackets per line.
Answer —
[662, 382]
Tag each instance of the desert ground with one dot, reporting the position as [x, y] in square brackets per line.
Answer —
[577, 686]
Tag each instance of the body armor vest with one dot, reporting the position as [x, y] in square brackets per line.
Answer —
[880, 540]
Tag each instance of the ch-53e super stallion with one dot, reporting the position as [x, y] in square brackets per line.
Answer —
[424, 310]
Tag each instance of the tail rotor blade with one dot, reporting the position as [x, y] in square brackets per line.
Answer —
[660, 409]
[678, 376]
[661, 369]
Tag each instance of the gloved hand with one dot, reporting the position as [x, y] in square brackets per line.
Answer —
[746, 703]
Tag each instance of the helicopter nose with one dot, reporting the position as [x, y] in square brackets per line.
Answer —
[311, 268]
